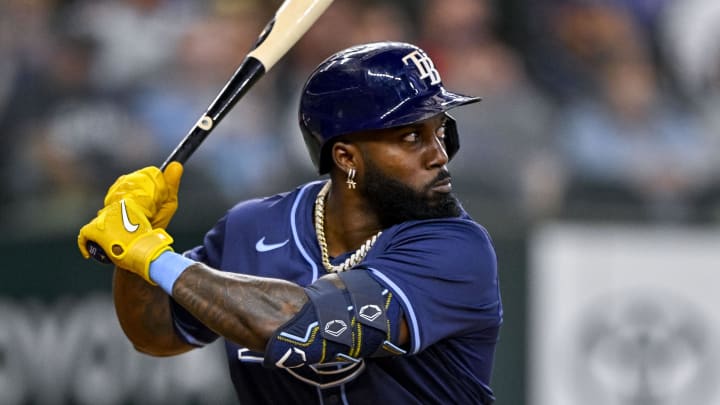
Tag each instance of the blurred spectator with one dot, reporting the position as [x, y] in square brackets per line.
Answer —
[592, 34]
[567, 39]
[452, 26]
[26, 28]
[632, 144]
[136, 38]
[646, 13]
[381, 21]
[25, 39]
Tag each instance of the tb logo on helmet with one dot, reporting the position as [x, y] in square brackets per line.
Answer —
[424, 65]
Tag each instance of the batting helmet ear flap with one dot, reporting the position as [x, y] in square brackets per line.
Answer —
[452, 138]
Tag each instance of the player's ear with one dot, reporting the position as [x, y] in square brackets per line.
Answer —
[345, 155]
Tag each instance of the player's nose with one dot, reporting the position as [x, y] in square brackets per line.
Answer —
[437, 154]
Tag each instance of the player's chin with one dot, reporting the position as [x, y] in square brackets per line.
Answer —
[442, 205]
[439, 198]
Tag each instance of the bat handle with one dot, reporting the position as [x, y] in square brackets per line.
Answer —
[97, 253]
[190, 143]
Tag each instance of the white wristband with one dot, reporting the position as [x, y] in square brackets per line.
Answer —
[166, 269]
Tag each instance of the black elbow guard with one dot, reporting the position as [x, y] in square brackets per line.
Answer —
[339, 325]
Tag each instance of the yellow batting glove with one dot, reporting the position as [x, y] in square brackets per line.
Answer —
[125, 234]
[165, 210]
[155, 191]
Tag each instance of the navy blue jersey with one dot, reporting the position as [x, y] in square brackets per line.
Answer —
[443, 271]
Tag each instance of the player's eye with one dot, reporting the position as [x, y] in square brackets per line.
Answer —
[411, 137]
[440, 132]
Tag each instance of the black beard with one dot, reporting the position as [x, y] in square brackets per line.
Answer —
[394, 202]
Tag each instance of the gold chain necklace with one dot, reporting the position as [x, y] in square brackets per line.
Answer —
[351, 261]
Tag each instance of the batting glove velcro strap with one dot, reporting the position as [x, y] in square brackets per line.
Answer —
[141, 252]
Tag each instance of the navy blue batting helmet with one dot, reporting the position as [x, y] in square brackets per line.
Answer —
[373, 86]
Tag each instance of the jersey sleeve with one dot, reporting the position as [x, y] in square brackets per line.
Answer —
[444, 273]
[210, 252]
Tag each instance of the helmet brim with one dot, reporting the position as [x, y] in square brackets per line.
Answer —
[417, 109]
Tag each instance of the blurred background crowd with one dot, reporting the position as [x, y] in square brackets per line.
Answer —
[593, 110]
[600, 109]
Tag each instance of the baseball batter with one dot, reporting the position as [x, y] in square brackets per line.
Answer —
[371, 285]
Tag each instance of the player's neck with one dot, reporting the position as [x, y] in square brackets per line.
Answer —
[349, 221]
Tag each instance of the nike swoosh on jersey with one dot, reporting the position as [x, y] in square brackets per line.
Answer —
[261, 246]
[129, 226]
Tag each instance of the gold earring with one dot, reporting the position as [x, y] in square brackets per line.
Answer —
[351, 179]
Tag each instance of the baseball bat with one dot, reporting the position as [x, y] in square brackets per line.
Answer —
[292, 19]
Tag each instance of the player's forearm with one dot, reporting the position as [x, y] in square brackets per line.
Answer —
[143, 311]
[243, 309]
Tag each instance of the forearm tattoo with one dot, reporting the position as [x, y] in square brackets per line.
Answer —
[144, 315]
[156, 314]
[244, 309]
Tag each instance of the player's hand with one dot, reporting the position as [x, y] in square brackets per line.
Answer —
[125, 234]
[155, 191]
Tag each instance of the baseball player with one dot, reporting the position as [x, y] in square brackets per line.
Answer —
[372, 285]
